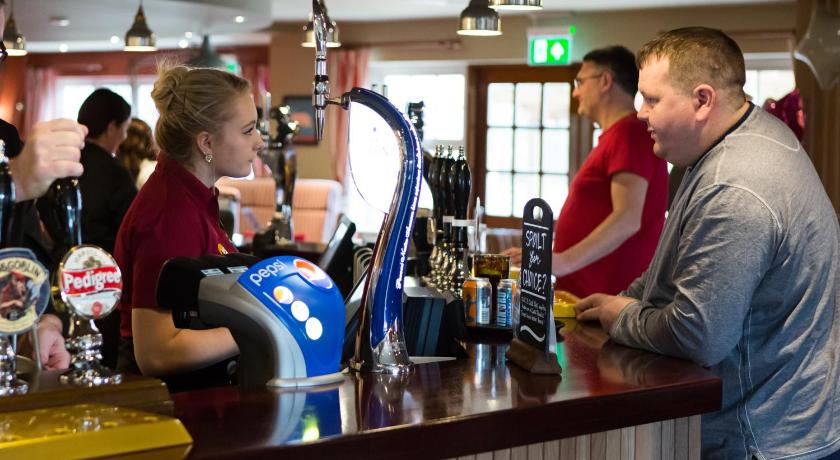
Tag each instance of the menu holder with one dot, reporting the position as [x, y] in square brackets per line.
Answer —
[534, 345]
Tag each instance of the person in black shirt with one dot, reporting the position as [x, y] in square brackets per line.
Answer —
[106, 185]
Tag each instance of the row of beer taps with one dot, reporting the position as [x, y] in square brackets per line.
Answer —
[448, 176]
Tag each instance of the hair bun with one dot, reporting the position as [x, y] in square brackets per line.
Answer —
[165, 91]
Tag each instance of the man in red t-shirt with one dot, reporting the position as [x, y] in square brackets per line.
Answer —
[608, 229]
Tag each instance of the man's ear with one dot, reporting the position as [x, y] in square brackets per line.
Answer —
[607, 81]
[704, 99]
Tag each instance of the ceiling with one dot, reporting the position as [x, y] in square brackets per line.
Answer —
[92, 23]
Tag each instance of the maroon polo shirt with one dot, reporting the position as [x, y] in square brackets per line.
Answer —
[173, 215]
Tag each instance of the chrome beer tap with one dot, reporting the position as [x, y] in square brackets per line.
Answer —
[380, 342]
[9, 383]
[280, 157]
[87, 285]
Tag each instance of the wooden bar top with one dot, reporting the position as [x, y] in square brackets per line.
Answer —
[452, 408]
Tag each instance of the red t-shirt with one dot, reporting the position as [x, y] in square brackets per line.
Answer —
[625, 146]
[173, 215]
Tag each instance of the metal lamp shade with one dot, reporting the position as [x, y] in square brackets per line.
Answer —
[14, 40]
[139, 37]
[207, 57]
[478, 19]
[521, 5]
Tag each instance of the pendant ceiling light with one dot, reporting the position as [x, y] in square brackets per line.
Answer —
[332, 32]
[139, 37]
[479, 19]
[14, 40]
[521, 5]
[207, 57]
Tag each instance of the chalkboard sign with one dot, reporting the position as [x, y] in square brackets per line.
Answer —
[536, 319]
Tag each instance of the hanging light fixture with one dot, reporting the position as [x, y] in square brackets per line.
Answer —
[332, 32]
[14, 40]
[207, 57]
[479, 19]
[521, 5]
[139, 37]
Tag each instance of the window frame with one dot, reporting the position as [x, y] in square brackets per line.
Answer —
[99, 81]
[478, 80]
[378, 70]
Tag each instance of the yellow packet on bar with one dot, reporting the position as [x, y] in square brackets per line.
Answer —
[91, 431]
[564, 302]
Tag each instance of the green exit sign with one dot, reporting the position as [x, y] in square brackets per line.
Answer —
[549, 49]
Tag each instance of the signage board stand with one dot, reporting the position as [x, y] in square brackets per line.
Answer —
[535, 343]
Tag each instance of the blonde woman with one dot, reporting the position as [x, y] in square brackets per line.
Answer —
[206, 130]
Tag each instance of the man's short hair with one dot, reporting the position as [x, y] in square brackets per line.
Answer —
[101, 108]
[699, 55]
[620, 62]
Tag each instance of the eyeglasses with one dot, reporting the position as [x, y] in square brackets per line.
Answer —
[579, 80]
[3, 53]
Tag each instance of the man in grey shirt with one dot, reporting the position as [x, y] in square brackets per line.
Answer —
[745, 276]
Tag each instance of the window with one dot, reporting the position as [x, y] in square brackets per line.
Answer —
[71, 92]
[768, 84]
[527, 145]
[443, 90]
[527, 138]
[442, 87]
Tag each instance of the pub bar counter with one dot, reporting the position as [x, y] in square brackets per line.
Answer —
[611, 402]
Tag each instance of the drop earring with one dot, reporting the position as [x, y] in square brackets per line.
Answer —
[208, 157]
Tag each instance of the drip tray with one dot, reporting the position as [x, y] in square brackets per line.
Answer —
[430, 359]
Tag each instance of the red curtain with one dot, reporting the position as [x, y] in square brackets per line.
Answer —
[348, 68]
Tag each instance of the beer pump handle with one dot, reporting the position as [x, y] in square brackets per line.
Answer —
[463, 185]
[64, 220]
[7, 196]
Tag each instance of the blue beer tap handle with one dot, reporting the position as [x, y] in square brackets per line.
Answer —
[380, 343]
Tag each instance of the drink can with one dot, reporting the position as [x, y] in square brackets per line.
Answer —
[476, 294]
[507, 300]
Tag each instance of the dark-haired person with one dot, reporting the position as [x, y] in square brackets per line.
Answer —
[106, 185]
[52, 152]
[745, 278]
[607, 231]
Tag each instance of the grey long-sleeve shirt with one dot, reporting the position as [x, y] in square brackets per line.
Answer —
[745, 280]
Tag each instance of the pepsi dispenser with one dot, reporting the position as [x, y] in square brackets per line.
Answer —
[285, 314]
[380, 343]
